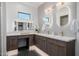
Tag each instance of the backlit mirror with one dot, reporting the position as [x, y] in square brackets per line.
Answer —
[47, 23]
[63, 16]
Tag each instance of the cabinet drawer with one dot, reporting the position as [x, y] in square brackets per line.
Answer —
[57, 42]
[61, 43]
[12, 43]
[51, 48]
[23, 36]
[51, 40]
[61, 51]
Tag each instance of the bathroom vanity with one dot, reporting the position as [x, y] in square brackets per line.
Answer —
[50, 44]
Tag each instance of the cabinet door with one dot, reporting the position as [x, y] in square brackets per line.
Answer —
[37, 41]
[43, 43]
[40, 42]
[55, 48]
[51, 48]
[12, 43]
[31, 40]
[61, 51]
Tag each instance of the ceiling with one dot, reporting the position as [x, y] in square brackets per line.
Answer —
[33, 4]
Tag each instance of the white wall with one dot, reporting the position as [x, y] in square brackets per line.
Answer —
[77, 41]
[41, 12]
[11, 13]
[3, 28]
[11, 10]
[69, 29]
[0, 28]
[55, 28]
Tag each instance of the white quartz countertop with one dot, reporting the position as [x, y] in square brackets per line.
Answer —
[62, 38]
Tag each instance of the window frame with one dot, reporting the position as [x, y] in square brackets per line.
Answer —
[24, 13]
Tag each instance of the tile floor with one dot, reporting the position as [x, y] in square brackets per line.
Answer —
[26, 52]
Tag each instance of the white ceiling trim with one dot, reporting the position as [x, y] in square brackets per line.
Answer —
[33, 4]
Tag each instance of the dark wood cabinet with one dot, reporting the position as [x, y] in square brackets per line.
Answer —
[61, 51]
[11, 43]
[51, 46]
[60, 48]
[40, 42]
[37, 41]
[31, 40]
[55, 50]
[28, 38]
[54, 47]
[23, 39]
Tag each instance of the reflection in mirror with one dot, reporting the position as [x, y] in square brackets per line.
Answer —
[45, 27]
[63, 20]
[46, 20]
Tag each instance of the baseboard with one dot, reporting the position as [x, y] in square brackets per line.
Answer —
[39, 51]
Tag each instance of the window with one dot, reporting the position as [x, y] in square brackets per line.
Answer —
[24, 16]
[26, 23]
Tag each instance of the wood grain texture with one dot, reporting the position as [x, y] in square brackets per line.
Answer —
[52, 47]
